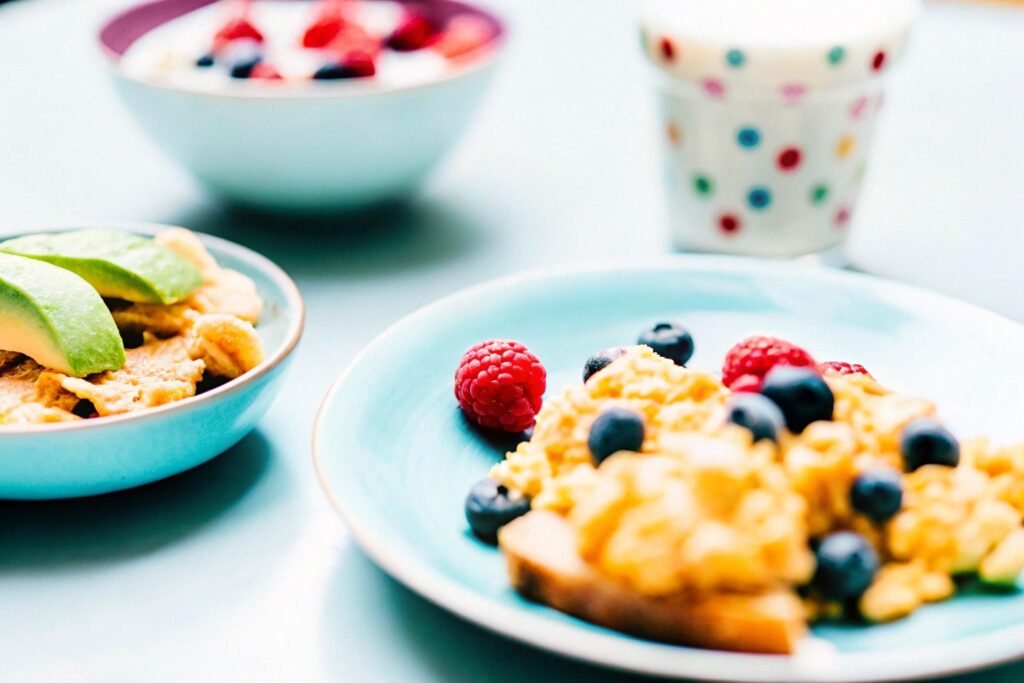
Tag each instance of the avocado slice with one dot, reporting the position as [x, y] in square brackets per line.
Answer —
[118, 264]
[56, 318]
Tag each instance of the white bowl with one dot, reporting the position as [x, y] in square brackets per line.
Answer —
[307, 147]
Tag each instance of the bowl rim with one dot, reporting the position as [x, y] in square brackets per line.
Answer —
[562, 639]
[258, 262]
[306, 91]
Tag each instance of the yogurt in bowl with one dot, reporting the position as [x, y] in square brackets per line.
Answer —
[300, 105]
[297, 43]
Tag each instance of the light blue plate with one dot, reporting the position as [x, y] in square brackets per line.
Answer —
[397, 459]
[73, 459]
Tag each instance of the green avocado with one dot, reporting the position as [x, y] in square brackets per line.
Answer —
[118, 264]
[55, 318]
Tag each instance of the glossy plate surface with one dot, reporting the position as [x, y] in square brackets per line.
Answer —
[397, 459]
[73, 459]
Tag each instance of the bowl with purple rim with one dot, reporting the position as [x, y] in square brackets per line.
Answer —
[313, 146]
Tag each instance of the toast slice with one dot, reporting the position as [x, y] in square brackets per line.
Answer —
[545, 566]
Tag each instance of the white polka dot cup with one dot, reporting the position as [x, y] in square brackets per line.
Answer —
[766, 130]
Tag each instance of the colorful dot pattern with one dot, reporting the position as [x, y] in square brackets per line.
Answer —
[736, 210]
[748, 137]
[703, 185]
[759, 198]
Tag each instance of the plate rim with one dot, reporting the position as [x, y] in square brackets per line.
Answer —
[616, 651]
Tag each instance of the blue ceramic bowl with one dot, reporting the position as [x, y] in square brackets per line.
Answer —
[321, 146]
[73, 459]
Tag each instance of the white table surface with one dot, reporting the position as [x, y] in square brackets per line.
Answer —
[240, 570]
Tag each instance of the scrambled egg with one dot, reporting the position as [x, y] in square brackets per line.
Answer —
[702, 508]
[208, 335]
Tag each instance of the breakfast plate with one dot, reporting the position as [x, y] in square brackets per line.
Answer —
[396, 456]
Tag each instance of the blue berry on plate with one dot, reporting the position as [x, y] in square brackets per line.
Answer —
[877, 493]
[757, 414]
[614, 430]
[926, 442]
[847, 565]
[801, 394]
[669, 340]
[600, 360]
[490, 506]
[205, 61]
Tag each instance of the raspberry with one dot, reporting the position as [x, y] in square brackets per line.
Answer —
[757, 355]
[499, 384]
[236, 29]
[843, 368]
[354, 38]
[412, 34]
[746, 384]
[322, 31]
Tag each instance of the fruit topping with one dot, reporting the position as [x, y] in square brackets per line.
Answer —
[877, 493]
[490, 506]
[847, 565]
[616, 429]
[759, 354]
[801, 394]
[669, 340]
[462, 35]
[414, 33]
[600, 360]
[843, 368]
[926, 442]
[758, 414]
[499, 384]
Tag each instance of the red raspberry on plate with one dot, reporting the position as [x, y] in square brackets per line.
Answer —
[747, 384]
[844, 368]
[757, 355]
[263, 71]
[499, 384]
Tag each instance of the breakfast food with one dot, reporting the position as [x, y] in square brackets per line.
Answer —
[499, 385]
[102, 322]
[654, 500]
[281, 42]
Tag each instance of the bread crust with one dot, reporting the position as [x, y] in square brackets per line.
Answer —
[545, 566]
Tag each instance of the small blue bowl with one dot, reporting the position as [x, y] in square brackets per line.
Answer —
[314, 147]
[73, 459]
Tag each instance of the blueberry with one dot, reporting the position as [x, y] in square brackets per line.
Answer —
[877, 493]
[205, 61]
[242, 56]
[528, 433]
[801, 393]
[244, 68]
[926, 442]
[330, 72]
[600, 360]
[847, 565]
[614, 430]
[490, 506]
[758, 414]
[669, 340]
